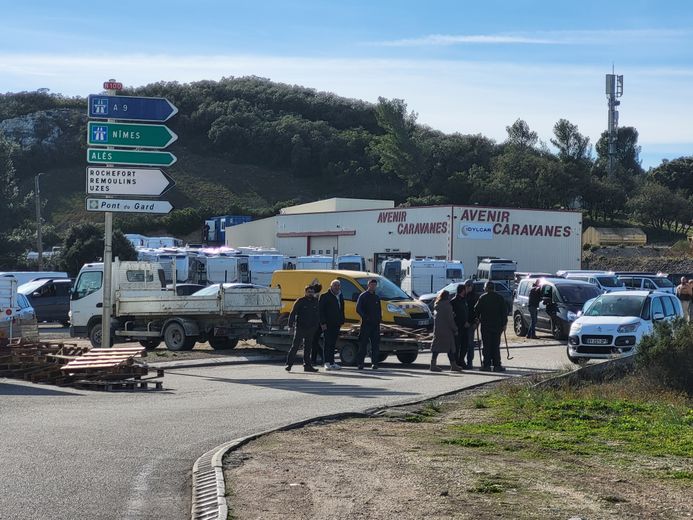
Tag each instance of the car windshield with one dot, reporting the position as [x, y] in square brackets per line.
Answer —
[385, 289]
[661, 281]
[616, 305]
[609, 281]
[350, 266]
[502, 274]
[30, 287]
[577, 294]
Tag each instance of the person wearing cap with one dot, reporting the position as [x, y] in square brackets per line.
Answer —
[305, 316]
[368, 308]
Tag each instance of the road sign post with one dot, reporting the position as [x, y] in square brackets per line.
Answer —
[156, 110]
[160, 207]
[128, 135]
[139, 182]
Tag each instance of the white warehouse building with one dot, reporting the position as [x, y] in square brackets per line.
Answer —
[538, 240]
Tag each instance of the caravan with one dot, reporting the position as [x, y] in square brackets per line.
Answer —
[428, 275]
[262, 267]
[166, 258]
[227, 269]
[314, 262]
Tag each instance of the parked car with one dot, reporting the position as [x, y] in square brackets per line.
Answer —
[522, 275]
[605, 281]
[186, 289]
[563, 297]
[21, 323]
[614, 323]
[50, 299]
[647, 282]
[501, 288]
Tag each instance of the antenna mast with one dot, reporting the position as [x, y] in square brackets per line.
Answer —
[614, 90]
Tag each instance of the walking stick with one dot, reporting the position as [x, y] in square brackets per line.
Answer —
[507, 348]
[478, 343]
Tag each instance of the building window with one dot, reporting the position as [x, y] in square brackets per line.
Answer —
[327, 252]
[319, 251]
[312, 251]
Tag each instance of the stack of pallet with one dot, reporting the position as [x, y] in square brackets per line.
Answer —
[393, 331]
[67, 364]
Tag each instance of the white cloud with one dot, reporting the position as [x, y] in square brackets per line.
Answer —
[601, 37]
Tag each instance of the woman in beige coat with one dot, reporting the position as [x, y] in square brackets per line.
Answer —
[444, 332]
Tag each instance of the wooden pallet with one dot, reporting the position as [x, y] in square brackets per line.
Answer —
[119, 385]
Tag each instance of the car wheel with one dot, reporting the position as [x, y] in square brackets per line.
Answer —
[95, 334]
[576, 360]
[348, 354]
[519, 325]
[557, 329]
[407, 358]
[175, 339]
[222, 342]
[150, 344]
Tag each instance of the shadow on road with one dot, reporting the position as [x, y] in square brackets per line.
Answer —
[310, 385]
[10, 389]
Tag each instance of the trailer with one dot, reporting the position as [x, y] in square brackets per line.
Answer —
[403, 344]
[145, 311]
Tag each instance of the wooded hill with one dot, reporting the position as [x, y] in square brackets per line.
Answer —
[251, 146]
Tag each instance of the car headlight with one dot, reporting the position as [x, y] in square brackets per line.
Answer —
[571, 316]
[630, 327]
[396, 309]
[575, 328]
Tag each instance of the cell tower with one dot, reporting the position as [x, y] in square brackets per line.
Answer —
[614, 90]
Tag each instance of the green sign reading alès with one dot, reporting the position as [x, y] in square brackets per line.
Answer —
[130, 157]
[129, 135]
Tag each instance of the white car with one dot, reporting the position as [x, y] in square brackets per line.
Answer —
[614, 323]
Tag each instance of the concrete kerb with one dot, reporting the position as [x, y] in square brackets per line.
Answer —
[236, 360]
[209, 501]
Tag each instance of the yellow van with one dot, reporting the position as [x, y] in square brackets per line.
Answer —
[397, 306]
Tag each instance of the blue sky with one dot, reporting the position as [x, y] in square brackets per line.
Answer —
[470, 67]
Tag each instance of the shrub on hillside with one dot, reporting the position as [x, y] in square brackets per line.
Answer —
[666, 356]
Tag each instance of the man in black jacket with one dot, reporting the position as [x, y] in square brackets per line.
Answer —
[492, 313]
[368, 307]
[461, 312]
[331, 319]
[471, 297]
[305, 316]
[533, 306]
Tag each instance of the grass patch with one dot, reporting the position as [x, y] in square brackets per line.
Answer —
[491, 485]
[680, 475]
[425, 414]
[598, 419]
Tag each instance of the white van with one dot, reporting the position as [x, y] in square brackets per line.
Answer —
[23, 277]
[351, 262]
[499, 270]
[605, 281]
[428, 275]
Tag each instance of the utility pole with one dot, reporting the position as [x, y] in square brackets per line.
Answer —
[614, 90]
[39, 238]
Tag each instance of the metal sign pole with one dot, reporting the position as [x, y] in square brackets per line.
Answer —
[107, 268]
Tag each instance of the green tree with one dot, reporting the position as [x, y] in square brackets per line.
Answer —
[572, 145]
[520, 135]
[676, 174]
[662, 208]
[12, 207]
[84, 243]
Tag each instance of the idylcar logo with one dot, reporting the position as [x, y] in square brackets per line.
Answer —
[476, 230]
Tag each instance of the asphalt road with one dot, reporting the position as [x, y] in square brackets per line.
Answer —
[69, 454]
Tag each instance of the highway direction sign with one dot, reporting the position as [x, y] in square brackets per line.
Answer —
[139, 182]
[129, 135]
[129, 205]
[131, 108]
[103, 156]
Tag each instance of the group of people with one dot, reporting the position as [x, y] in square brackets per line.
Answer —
[316, 314]
[456, 321]
[685, 293]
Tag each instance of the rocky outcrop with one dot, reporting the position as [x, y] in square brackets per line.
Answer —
[47, 129]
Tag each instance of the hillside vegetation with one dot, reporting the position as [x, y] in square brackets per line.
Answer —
[252, 146]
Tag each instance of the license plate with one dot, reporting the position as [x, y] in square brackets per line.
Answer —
[596, 341]
[423, 322]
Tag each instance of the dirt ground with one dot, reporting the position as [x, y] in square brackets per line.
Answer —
[397, 467]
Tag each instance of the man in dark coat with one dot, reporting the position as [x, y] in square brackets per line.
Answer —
[471, 297]
[368, 307]
[492, 313]
[461, 311]
[305, 317]
[331, 319]
[533, 306]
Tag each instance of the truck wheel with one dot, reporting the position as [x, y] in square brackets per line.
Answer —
[175, 339]
[407, 358]
[519, 325]
[349, 354]
[382, 356]
[150, 344]
[95, 335]
[222, 342]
